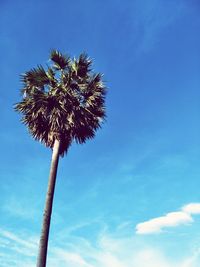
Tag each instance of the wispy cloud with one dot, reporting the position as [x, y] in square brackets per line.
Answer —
[154, 17]
[109, 250]
[171, 219]
[66, 258]
[17, 250]
[19, 208]
[18, 245]
[112, 251]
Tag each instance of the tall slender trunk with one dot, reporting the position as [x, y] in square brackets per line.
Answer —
[42, 255]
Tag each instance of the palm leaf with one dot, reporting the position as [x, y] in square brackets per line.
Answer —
[65, 102]
[35, 77]
[61, 62]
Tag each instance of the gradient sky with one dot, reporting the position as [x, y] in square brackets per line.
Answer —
[131, 196]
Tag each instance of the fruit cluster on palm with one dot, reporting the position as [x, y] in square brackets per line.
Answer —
[61, 103]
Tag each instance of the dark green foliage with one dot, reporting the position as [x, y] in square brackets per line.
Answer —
[61, 62]
[64, 102]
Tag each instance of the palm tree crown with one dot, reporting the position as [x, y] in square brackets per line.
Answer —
[65, 101]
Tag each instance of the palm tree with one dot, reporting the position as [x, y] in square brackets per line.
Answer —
[61, 103]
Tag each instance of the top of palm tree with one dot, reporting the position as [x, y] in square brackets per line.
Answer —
[65, 101]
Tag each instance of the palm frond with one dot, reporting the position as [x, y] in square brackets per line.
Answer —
[65, 102]
[35, 77]
[61, 61]
[83, 65]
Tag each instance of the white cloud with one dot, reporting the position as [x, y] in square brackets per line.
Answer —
[109, 251]
[157, 224]
[171, 219]
[66, 258]
[17, 250]
[192, 208]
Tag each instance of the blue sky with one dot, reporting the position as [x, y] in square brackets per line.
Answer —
[130, 197]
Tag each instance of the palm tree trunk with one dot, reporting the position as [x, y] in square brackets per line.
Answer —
[42, 255]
